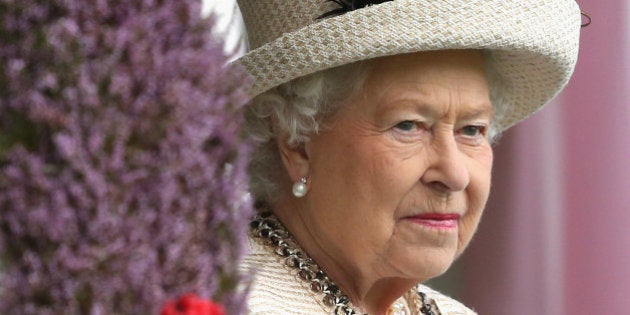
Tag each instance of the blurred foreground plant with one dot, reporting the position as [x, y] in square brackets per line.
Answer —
[122, 176]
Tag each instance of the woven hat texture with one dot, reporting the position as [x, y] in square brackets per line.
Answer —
[532, 45]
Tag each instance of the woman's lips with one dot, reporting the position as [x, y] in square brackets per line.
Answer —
[436, 220]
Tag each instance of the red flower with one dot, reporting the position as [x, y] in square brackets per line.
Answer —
[191, 304]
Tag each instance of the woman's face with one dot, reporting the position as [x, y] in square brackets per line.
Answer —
[399, 179]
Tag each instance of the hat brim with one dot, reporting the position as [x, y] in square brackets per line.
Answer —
[532, 45]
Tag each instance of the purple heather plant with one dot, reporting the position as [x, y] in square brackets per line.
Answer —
[122, 175]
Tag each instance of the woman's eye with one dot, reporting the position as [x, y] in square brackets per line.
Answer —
[406, 125]
[473, 131]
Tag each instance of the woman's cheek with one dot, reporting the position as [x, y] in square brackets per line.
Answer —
[468, 226]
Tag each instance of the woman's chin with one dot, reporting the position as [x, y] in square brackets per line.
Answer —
[427, 263]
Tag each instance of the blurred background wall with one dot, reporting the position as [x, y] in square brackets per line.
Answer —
[555, 238]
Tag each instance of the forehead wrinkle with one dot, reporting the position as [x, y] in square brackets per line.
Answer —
[421, 96]
[462, 104]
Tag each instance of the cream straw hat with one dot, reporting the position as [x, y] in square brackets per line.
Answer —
[532, 44]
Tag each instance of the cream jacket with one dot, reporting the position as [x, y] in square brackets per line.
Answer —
[277, 289]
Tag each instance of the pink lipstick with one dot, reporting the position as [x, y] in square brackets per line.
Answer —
[436, 220]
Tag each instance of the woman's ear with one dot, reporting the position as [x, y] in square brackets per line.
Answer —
[294, 158]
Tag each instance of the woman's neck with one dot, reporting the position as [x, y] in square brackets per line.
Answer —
[367, 289]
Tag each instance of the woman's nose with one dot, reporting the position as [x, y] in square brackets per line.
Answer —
[447, 171]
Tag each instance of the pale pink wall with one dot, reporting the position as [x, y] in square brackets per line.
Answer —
[596, 125]
[556, 235]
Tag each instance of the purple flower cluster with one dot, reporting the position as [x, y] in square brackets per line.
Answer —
[122, 175]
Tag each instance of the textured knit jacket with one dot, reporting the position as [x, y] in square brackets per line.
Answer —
[278, 290]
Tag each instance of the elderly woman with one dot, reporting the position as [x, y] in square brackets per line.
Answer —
[375, 121]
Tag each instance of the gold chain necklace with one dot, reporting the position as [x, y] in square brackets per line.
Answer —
[272, 233]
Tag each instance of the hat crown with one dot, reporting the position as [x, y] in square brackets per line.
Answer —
[266, 20]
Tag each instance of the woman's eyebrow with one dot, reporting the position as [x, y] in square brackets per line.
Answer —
[426, 107]
[480, 111]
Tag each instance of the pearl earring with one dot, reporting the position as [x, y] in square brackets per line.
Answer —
[299, 188]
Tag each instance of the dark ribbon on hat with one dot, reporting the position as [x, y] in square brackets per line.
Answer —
[349, 5]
